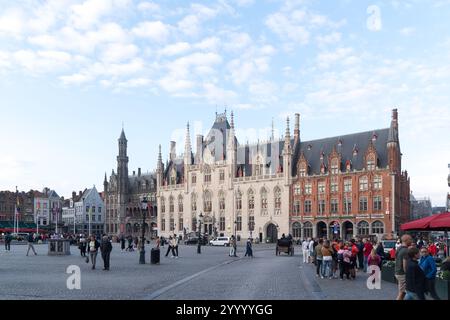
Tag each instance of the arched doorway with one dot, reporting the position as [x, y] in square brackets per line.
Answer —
[272, 233]
[321, 229]
[335, 230]
[296, 230]
[348, 230]
[208, 225]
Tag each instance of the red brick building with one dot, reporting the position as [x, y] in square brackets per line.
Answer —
[350, 186]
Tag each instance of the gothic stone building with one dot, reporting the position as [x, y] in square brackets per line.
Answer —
[350, 186]
[123, 196]
[242, 189]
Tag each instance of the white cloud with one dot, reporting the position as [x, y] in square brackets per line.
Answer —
[12, 23]
[210, 44]
[153, 30]
[117, 52]
[148, 6]
[287, 29]
[331, 38]
[343, 55]
[244, 3]
[89, 13]
[76, 79]
[5, 60]
[175, 49]
[189, 25]
[407, 31]
[41, 61]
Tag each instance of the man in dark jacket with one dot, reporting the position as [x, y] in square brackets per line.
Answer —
[30, 240]
[106, 248]
[415, 277]
[360, 246]
[8, 240]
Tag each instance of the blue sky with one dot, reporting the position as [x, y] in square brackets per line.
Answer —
[72, 71]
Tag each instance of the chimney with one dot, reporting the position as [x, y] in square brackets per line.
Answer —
[134, 173]
[173, 150]
[74, 194]
[199, 154]
[80, 194]
[139, 172]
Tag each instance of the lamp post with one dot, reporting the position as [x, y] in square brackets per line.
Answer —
[235, 238]
[144, 203]
[199, 247]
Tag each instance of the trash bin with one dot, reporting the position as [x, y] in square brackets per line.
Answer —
[155, 256]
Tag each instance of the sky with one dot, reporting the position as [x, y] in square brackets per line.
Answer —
[72, 72]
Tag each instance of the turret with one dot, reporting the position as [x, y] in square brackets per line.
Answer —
[187, 158]
[393, 145]
[159, 169]
[287, 154]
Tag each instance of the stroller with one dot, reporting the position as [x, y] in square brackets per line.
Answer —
[130, 245]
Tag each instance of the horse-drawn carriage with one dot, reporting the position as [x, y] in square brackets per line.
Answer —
[285, 245]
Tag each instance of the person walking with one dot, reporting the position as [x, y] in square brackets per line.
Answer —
[106, 248]
[327, 253]
[158, 243]
[93, 250]
[30, 240]
[82, 246]
[367, 250]
[170, 248]
[8, 239]
[415, 277]
[311, 251]
[401, 261]
[319, 257]
[428, 265]
[360, 246]
[344, 255]
[130, 244]
[176, 241]
[374, 259]
[232, 246]
[355, 251]
[249, 250]
[122, 242]
[305, 250]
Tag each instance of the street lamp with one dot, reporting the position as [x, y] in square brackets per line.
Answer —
[199, 247]
[143, 211]
[235, 238]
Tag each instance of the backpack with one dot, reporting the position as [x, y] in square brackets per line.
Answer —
[340, 257]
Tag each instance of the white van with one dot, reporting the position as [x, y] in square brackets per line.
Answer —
[221, 241]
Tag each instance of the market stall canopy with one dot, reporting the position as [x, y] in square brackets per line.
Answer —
[437, 222]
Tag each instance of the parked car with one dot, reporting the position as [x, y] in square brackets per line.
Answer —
[221, 241]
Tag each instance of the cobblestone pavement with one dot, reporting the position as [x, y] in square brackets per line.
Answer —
[210, 275]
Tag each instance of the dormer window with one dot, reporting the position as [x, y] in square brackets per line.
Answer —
[302, 172]
[348, 166]
[370, 165]
[309, 147]
[374, 137]
[339, 143]
[322, 169]
[334, 167]
[355, 151]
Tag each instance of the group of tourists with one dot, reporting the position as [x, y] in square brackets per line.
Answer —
[93, 246]
[338, 259]
[416, 270]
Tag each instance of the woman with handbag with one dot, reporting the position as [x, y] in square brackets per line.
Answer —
[93, 250]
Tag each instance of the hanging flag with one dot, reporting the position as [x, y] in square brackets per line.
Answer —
[17, 206]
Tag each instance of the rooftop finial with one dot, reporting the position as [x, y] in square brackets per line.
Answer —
[273, 130]
[232, 119]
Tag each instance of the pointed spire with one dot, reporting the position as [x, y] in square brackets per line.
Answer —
[232, 120]
[106, 180]
[393, 130]
[122, 135]
[272, 138]
[159, 155]
[187, 145]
